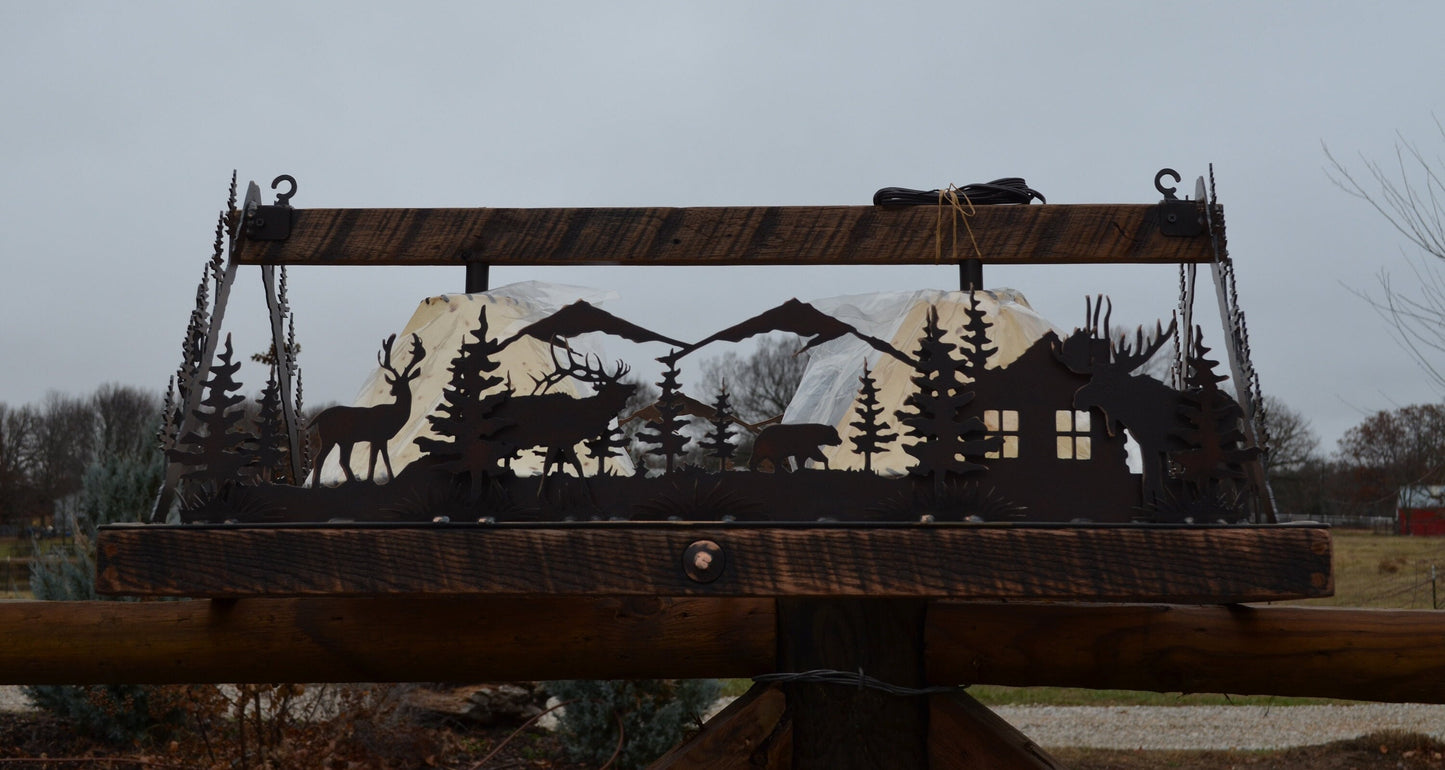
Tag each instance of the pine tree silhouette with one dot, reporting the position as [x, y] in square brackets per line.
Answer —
[976, 349]
[269, 451]
[1215, 435]
[468, 403]
[944, 440]
[872, 437]
[665, 436]
[216, 446]
[717, 443]
[609, 443]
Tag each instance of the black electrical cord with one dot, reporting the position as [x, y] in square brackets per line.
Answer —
[1008, 190]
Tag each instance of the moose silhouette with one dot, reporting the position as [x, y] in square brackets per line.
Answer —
[1148, 408]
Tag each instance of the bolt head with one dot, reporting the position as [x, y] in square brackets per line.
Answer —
[703, 561]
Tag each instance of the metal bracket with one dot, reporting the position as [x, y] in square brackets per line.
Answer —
[272, 223]
[1177, 218]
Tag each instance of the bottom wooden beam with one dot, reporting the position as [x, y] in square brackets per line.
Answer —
[752, 732]
[1381, 655]
[386, 639]
[1377, 655]
[964, 735]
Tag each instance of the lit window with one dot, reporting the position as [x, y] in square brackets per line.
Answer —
[1072, 426]
[1002, 423]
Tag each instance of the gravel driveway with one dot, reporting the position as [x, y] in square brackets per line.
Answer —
[1216, 727]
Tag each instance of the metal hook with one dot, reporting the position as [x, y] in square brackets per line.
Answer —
[1167, 192]
[284, 199]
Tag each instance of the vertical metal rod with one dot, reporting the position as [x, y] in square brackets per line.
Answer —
[477, 277]
[970, 275]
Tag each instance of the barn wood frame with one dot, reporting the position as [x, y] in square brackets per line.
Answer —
[1143, 607]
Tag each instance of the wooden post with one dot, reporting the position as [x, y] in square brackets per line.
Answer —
[845, 726]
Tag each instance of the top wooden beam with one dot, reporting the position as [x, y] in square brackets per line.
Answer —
[737, 235]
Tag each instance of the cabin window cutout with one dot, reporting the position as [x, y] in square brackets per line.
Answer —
[1002, 423]
[1072, 427]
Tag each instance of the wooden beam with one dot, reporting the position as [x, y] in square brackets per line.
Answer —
[383, 639]
[1382, 655]
[1179, 564]
[847, 726]
[964, 735]
[757, 235]
[1378, 655]
[752, 731]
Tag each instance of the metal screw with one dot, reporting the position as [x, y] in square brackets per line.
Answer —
[703, 561]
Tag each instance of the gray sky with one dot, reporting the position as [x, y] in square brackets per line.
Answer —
[121, 124]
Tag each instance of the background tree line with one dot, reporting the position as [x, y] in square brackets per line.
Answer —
[46, 448]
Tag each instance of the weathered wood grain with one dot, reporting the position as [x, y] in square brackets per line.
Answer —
[1101, 563]
[846, 726]
[1378, 655]
[1382, 655]
[383, 639]
[964, 735]
[723, 236]
[750, 732]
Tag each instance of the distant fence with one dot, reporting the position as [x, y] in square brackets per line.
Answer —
[1380, 524]
[15, 573]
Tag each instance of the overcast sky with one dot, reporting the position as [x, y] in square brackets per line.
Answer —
[122, 122]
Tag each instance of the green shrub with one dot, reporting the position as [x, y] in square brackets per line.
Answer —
[115, 489]
[656, 714]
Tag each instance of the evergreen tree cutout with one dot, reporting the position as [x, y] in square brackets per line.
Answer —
[1215, 435]
[976, 349]
[665, 435]
[872, 437]
[943, 441]
[465, 415]
[718, 442]
[269, 450]
[216, 447]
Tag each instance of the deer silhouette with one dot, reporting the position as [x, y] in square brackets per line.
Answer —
[1148, 408]
[557, 422]
[347, 426]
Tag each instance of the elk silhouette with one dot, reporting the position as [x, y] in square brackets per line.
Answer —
[347, 426]
[557, 422]
[1148, 408]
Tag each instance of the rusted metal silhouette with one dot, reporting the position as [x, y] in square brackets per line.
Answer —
[1146, 407]
[665, 436]
[465, 423]
[947, 443]
[799, 442]
[215, 448]
[1212, 470]
[718, 442]
[794, 317]
[872, 436]
[1041, 439]
[691, 407]
[343, 427]
[556, 423]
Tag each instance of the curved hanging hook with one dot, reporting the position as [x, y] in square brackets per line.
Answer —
[1167, 192]
[284, 199]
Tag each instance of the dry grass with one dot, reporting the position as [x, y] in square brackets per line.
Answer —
[1385, 571]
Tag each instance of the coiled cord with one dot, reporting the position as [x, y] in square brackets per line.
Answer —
[1000, 191]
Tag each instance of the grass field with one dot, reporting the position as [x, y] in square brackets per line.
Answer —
[1385, 571]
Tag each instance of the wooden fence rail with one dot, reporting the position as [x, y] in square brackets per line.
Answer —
[1380, 655]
